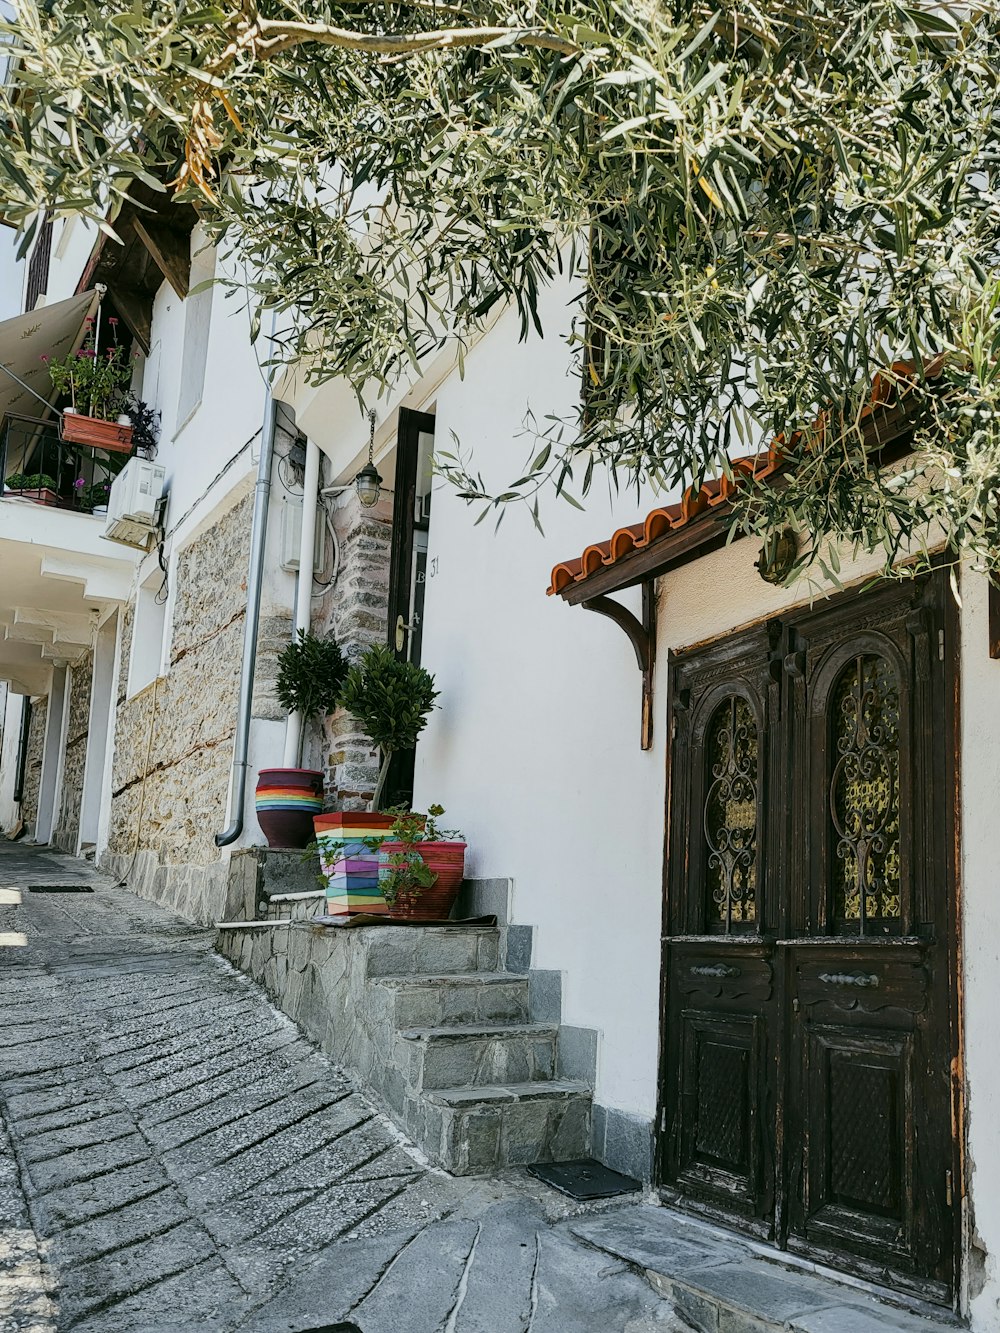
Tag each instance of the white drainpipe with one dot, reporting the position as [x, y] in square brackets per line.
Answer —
[303, 589]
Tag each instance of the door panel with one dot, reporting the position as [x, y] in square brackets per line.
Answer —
[808, 974]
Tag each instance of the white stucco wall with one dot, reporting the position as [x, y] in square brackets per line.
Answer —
[534, 750]
[10, 735]
[980, 767]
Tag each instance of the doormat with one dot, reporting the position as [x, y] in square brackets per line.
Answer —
[59, 888]
[370, 919]
[584, 1179]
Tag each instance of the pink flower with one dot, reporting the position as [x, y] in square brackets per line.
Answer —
[79, 484]
[89, 319]
[44, 358]
[112, 319]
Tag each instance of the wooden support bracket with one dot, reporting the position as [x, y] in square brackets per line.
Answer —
[642, 636]
[169, 250]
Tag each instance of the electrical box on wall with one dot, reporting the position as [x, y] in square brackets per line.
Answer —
[132, 504]
[291, 534]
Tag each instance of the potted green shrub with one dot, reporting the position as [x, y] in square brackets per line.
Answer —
[421, 866]
[32, 486]
[311, 673]
[391, 700]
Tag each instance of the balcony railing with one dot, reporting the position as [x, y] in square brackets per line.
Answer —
[63, 475]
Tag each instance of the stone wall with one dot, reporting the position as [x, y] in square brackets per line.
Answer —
[355, 611]
[174, 739]
[67, 830]
[33, 763]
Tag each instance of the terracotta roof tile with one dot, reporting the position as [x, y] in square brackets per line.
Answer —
[714, 495]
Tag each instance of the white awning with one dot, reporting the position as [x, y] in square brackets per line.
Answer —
[50, 330]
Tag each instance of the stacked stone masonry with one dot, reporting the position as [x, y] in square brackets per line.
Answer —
[67, 830]
[33, 763]
[173, 739]
[433, 1027]
[355, 610]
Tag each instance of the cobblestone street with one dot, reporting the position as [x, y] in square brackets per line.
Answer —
[188, 1161]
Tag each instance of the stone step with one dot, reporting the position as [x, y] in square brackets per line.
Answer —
[393, 951]
[717, 1280]
[477, 1055]
[456, 998]
[474, 1131]
[294, 906]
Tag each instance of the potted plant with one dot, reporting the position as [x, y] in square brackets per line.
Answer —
[93, 496]
[96, 380]
[32, 486]
[391, 700]
[311, 672]
[421, 866]
[145, 423]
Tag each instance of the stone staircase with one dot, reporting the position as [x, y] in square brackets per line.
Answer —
[435, 1027]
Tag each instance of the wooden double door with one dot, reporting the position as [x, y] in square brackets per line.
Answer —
[809, 947]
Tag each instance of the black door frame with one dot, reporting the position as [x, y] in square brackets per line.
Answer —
[399, 785]
[949, 758]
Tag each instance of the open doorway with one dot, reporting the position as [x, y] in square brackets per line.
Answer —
[408, 562]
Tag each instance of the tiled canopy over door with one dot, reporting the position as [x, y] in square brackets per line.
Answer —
[810, 945]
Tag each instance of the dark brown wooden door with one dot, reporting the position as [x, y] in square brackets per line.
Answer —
[809, 943]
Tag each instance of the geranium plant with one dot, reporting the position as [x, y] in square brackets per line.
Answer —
[96, 379]
[404, 875]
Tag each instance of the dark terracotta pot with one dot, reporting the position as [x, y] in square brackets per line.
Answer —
[42, 495]
[447, 861]
[286, 801]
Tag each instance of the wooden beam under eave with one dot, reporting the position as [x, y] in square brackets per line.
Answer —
[136, 309]
[169, 250]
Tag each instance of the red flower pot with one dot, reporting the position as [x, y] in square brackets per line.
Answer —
[447, 861]
[107, 435]
[286, 801]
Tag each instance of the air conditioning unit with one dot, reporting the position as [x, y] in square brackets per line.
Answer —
[291, 534]
[132, 503]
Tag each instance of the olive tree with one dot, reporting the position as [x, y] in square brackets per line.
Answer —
[761, 207]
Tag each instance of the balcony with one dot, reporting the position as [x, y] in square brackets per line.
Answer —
[36, 464]
[59, 578]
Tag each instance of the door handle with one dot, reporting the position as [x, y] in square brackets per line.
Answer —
[861, 980]
[401, 631]
[715, 970]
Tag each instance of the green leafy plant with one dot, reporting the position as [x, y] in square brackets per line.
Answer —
[311, 672]
[403, 874]
[95, 378]
[392, 700]
[30, 481]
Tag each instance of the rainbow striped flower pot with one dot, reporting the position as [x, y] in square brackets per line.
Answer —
[286, 800]
[351, 867]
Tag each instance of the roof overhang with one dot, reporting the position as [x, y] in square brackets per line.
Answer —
[672, 535]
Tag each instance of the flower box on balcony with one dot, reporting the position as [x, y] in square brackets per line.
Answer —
[40, 494]
[100, 434]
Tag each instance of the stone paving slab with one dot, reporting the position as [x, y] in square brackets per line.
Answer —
[186, 1162]
[721, 1284]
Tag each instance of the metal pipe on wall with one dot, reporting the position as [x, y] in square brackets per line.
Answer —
[303, 589]
[255, 580]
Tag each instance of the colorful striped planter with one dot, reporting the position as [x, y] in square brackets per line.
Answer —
[287, 799]
[349, 866]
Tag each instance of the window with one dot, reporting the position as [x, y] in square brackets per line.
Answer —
[147, 634]
[197, 327]
[730, 816]
[38, 266]
[864, 797]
